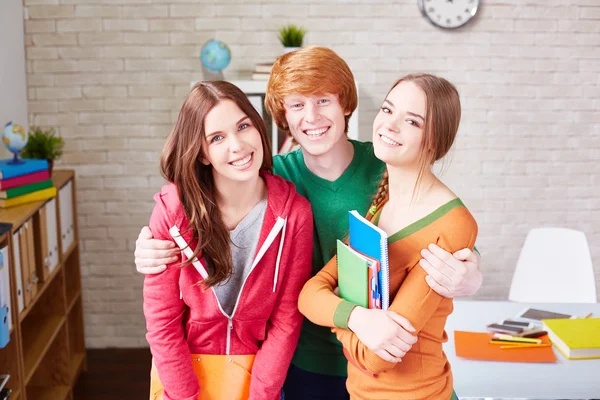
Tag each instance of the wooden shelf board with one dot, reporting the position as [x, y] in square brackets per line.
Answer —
[41, 289]
[61, 176]
[35, 351]
[73, 302]
[75, 364]
[49, 393]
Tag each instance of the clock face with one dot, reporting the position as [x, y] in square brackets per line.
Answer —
[449, 13]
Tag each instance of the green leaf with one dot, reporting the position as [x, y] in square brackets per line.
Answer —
[291, 35]
[43, 144]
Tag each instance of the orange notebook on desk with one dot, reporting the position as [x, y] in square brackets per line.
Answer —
[476, 346]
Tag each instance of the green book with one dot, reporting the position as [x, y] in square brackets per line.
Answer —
[25, 189]
[353, 275]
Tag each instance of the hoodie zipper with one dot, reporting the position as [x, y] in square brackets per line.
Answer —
[279, 224]
[229, 329]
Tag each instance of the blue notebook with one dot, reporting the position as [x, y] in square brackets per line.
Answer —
[370, 240]
[29, 166]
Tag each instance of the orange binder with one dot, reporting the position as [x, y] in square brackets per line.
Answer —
[221, 377]
[476, 346]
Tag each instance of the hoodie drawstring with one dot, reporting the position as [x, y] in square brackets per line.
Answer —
[280, 226]
[281, 241]
[176, 235]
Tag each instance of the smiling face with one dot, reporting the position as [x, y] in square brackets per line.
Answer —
[398, 129]
[316, 122]
[233, 144]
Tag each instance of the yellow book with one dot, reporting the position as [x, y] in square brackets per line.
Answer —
[29, 197]
[576, 338]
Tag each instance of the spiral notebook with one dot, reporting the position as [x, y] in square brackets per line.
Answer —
[372, 241]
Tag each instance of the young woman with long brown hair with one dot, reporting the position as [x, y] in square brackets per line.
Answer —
[415, 127]
[223, 320]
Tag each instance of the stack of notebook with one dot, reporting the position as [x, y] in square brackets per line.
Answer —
[363, 269]
[25, 182]
[262, 71]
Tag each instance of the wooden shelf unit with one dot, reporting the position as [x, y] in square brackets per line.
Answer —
[46, 353]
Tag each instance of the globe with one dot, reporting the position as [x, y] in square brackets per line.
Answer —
[215, 55]
[14, 138]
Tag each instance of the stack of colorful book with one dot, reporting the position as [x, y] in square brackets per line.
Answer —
[25, 182]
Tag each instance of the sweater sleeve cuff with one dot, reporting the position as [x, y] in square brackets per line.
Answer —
[342, 314]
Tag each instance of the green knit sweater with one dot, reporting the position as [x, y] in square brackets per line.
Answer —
[319, 350]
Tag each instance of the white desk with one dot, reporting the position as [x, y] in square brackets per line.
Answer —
[564, 379]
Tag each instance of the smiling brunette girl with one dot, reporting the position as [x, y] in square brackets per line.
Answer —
[223, 320]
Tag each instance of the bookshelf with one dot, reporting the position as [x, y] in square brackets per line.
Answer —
[46, 352]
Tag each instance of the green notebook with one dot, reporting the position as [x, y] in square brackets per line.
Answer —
[353, 275]
[21, 190]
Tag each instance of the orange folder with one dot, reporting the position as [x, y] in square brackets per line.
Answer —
[476, 346]
[211, 370]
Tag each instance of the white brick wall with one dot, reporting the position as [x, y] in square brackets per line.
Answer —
[111, 76]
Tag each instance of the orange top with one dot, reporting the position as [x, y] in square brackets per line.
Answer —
[424, 372]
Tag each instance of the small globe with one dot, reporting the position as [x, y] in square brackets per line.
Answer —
[14, 137]
[215, 55]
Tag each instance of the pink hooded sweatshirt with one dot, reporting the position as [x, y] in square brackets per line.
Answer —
[182, 319]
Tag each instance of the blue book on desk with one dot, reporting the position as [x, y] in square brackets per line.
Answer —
[372, 241]
[28, 166]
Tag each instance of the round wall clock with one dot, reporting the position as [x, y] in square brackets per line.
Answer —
[448, 14]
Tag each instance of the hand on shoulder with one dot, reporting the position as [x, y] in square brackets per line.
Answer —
[153, 255]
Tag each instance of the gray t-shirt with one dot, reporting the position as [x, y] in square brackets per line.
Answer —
[244, 240]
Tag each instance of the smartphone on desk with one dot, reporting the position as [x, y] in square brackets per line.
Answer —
[535, 315]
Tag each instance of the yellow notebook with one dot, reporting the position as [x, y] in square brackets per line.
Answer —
[576, 338]
[29, 197]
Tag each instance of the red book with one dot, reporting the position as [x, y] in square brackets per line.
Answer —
[24, 179]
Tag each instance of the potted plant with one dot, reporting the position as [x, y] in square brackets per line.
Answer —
[291, 37]
[43, 144]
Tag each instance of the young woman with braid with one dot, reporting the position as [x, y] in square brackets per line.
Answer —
[415, 127]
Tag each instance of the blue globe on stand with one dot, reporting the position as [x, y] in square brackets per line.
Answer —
[215, 57]
[14, 138]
